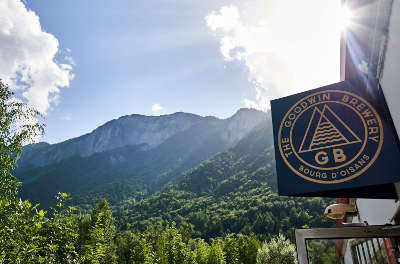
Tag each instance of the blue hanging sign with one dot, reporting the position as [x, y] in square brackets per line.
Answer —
[336, 141]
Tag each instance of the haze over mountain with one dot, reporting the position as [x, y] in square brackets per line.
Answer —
[129, 157]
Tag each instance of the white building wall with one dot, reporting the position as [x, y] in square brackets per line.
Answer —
[390, 79]
[378, 212]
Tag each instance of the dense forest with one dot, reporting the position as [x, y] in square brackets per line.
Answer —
[235, 191]
[225, 210]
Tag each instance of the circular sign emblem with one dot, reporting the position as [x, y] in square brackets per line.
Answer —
[330, 136]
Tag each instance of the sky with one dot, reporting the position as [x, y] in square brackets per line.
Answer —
[83, 63]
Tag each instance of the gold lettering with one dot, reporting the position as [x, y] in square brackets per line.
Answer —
[371, 121]
[338, 155]
[372, 130]
[285, 140]
[288, 154]
[345, 98]
[286, 147]
[367, 113]
[353, 102]
[297, 109]
[361, 162]
[324, 159]
[374, 138]
[326, 96]
[311, 100]
[360, 107]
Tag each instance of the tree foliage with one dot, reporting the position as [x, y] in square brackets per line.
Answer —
[217, 213]
[17, 127]
[18, 219]
[98, 241]
[230, 193]
[277, 251]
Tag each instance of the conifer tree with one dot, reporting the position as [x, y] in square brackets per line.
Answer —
[98, 245]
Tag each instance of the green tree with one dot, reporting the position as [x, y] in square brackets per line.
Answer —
[20, 221]
[141, 250]
[216, 253]
[170, 248]
[18, 126]
[20, 225]
[60, 234]
[200, 252]
[98, 243]
[123, 244]
[278, 250]
[204, 253]
[248, 247]
[322, 251]
[231, 249]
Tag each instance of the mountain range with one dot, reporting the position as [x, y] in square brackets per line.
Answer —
[213, 176]
[129, 157]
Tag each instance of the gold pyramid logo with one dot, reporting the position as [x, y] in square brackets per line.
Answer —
[326, 134]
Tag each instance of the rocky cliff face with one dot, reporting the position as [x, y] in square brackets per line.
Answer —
[146, 132]
[242, 122]
[131, 156]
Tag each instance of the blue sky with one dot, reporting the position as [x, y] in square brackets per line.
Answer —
[133, 55]
[210, 57]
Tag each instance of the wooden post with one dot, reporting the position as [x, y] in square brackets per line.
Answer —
[340, 242]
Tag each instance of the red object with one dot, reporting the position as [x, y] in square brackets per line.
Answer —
[339, 242]
[389, 251]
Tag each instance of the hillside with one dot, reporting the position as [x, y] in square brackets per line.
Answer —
[235, 191]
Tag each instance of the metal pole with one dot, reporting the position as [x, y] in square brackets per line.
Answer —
[389, 251]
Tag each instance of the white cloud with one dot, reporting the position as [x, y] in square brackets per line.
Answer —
[156, 108]
[66, 118]
[250, 103]
[27, 57]
[287, 46]
[70, 60]
[226, 19]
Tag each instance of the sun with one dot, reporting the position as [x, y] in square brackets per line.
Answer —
[345, 18]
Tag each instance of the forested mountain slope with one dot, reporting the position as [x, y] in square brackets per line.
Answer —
[235, 191]
[218, 176]
[132, 171]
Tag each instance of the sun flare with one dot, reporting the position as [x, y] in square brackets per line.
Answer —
[345, 17]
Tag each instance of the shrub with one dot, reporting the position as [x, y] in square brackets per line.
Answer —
[278, 250]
